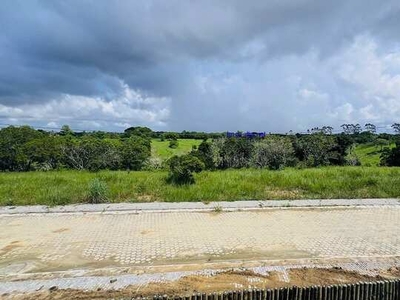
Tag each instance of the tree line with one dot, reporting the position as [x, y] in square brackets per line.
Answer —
[273, 152]
[25, 149]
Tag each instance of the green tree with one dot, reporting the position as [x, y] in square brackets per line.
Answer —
[273, 153]
[370, 128]
[143, 132]
[44, 153]
[236, 153]
[12, 140]
[173, 144]
[391, 157]
[171, 135]
[181, 169]
[66, 130]
[92, 153]
[205, 154]
[135, 151]
[316, 149]
[379, 142]
[340, 149]
[396, 127]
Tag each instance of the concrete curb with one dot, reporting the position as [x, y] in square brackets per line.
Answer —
[196, 206]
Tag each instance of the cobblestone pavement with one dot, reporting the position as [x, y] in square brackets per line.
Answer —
[38, 243]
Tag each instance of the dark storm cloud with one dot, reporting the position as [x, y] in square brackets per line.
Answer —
[89, 48]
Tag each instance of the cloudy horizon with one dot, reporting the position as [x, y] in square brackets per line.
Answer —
[269, 66]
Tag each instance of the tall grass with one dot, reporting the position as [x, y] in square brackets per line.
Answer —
[97, 191]
[62, 187]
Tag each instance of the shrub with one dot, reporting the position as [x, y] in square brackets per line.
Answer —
[236, 153]
[173, 144]
[216, 149]
[205, 154]
[92, 154]
[135, 151]
[317, 150]
[273, 153]
[181, 169]
[152, 163]
[391, 157]
[353, 160]
[35, 166]
[98, 191]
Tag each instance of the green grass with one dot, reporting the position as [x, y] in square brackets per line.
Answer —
[368, 154]
[161, 149]
[63, 187]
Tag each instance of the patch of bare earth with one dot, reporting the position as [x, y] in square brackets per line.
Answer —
[280, 193]
[146, 198]
[226, 281]
[393, 272]
[308, 277]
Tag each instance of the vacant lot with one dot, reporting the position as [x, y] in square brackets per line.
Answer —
[63, 187]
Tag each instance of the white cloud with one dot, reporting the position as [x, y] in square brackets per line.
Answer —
[374, 78]
[344, 113]
[127, 108]
[359, 84]
[309, 95]
[52, 125]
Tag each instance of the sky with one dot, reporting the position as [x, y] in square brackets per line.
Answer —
[204, 65]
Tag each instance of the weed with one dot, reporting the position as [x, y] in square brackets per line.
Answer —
[97, 192]
[9, 202]
[217, 208]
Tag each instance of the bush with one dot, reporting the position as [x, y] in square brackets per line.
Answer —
[353, 160]
[92, 154]
[181, 169]
[98, 191]
[391, 157]
[273, 153]
[135, 151]
[152, 163]
[35, 166]
[173, 144]
[205, 154]
[236, 153]
[317, 150]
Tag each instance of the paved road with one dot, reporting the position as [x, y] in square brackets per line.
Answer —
[59, 242]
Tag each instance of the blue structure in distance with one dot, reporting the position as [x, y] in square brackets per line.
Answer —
[247, 134]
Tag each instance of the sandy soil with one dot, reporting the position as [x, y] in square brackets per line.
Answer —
[230, 280]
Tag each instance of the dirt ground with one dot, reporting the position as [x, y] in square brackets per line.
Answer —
[226, 281]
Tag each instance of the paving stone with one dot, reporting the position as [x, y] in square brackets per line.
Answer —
[62, 242]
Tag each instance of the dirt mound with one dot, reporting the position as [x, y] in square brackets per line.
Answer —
[225, 281]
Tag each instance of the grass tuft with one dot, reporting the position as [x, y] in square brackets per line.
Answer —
[97, 192]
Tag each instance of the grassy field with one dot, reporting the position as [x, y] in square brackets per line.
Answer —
[63, 187]
[161, 149]
[369, 155]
